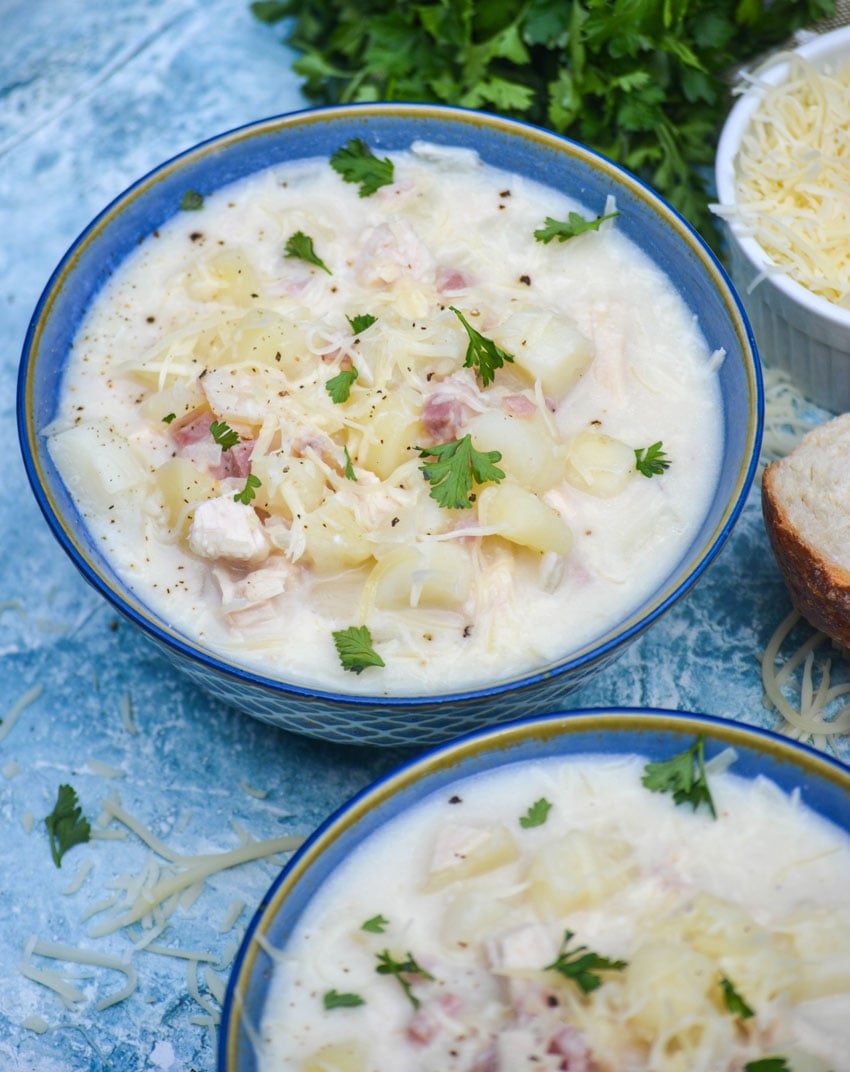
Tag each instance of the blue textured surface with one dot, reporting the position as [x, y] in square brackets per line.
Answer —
[92, 96]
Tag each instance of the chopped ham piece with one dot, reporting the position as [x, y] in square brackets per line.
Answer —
[443, 415]
[194, 431]
[452, 280]
[424, 1025]
[236, 461]
[191, 429]
[570, 1044]
[518, 405]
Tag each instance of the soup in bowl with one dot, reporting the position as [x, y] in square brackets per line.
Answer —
[600, 890]
[387, 422]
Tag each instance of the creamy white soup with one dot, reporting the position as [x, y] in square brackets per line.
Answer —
[429, 430]
[560, 915]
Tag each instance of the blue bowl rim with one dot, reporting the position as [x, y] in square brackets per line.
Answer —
[550, 727]
[589, 654]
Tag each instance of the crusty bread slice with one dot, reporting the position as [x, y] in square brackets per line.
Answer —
[806, 506]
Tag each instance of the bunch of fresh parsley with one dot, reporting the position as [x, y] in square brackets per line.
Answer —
[642, 81]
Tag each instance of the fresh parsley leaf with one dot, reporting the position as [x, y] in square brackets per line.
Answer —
[66, 824]
[300, 246]
[270, 10]
[537, 814]
[223, 434]
[191, 201]
[354, 647]
[456, 467]
[360, 322]
[333, 999]
[733, 1000]
[482, 353]
[401, 969]
[651, 461]
[339, 386]
[375, 925]
[582, 965]
[569, 228]
[349, 468]
[246, 495]
[169, 417]
[768, 1064]
[683, 775]
[356, 162]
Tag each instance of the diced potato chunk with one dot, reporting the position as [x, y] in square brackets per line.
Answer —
[392, 430]
[463, 851]
[274, 340]
[335, 538]
[522, 518]
[669, 988]
[98, 462]
[288, 486]
[426, 575]
[579, 870]
[181, 398]
[183, 485]
[469, 916]
[530, 455]
[226, 276]
[599, 464]
[726, 932]
[337, 1057]
[549, 347]
[438, 345]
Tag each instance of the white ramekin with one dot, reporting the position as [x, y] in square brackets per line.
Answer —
[795, 329]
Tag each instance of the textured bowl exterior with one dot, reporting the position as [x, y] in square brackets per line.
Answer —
[797, 331]
[823, 783]
[515, 146]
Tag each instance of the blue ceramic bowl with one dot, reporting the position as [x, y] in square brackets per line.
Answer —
[823, 783]
[539, 154]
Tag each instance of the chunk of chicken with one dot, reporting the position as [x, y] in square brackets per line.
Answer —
[225, 529]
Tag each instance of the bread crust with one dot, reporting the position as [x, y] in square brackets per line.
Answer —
[819, 587]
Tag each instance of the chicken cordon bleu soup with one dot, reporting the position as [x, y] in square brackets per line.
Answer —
[569, 914]
[371, 421]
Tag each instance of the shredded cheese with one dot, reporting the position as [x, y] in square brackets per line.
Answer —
[792, 180]
[260, 794]
[35, 1023]
[127, 719]
[103, 770]
[17, 708]
[167, 883]
[74, 955]
[80, 875]
[814, 717]
[234, 911]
